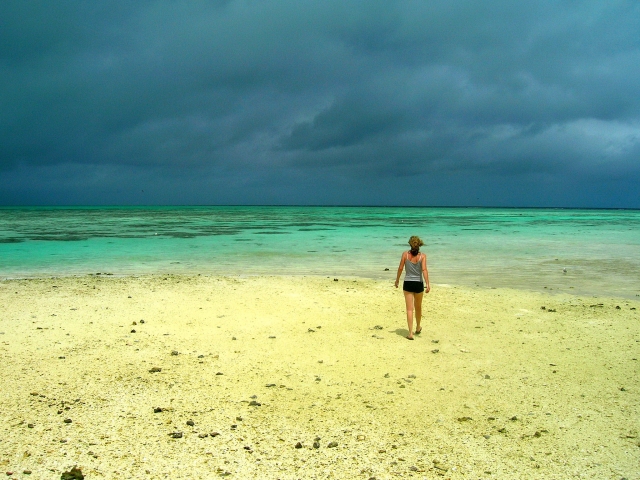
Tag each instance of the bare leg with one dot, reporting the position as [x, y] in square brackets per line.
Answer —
[418, 305]
[408, 300]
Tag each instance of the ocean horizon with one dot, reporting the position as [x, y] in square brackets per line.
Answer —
[582, 251]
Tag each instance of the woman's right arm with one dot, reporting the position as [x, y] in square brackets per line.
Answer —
[400, 268]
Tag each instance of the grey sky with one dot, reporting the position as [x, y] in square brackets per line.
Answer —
[320, 102]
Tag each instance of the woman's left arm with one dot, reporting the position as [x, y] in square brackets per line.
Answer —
[427, 285]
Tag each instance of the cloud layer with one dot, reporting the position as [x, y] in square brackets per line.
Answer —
[442, 102]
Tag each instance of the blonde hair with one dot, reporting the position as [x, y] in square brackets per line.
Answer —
[415, 243]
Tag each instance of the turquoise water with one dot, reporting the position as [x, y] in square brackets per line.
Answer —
[521, 248]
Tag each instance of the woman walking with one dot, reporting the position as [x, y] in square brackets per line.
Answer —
[413, 286]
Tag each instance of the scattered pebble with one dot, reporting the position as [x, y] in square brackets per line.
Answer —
[74, 474]
[174, 352]
[175, 434]
[253, 403]
[435, 350]
[219, 373]
[332, 444]
[67, 420]
[203, 435]
[133, 330]
[298, 445]
[155, 370]
[316, 444]
[190, 423]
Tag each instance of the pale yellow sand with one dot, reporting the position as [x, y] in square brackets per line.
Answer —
[512, 391]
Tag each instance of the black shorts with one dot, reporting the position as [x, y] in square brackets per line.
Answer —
[413, 287]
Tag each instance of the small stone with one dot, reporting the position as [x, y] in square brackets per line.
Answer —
[64, 440]
[617, 307]
[411, 376]
[335, 279]
[203, 435]
[133, 330]
[272, 336]
[234, 426]
[30, 425]
[487, 377]
[537, 434]
[174, 352]
[386, 375]
[35, 394]
[26, 472]
[622, 389]
[316, 444]
[74, 474]
[502, 430]
[543, 308]
[487, 436]
[270, 385]
[464, 419]
[141, 321]
[190, 423]
[514, 418]
[332, 444]
[175, 434]
[219, 373]
[247, 447]
[239, 418]
[413, 468]
[134, 323]
[298, 445]
[157, 410]
[435, 350]
[435, 341]
[233, 338]
[253, 403]
[378, 327]
[311, 330]
[67, 420]
[214, 434]
[62, 358]
[155, 370]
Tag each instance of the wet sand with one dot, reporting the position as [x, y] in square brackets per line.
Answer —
[101, 373]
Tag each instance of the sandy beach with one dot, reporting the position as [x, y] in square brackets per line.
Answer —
[309, 377]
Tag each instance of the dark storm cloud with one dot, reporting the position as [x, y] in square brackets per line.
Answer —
[294, 101]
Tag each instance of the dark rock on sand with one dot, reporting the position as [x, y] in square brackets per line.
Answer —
[174, 352]
[332, 444]
[298, 445]
[253, 403]
[175, 434]
[190, 423]
[155, 370]
[74, 474]
[157, 410]
[67, 420]
[133, 330]
[316, 444]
